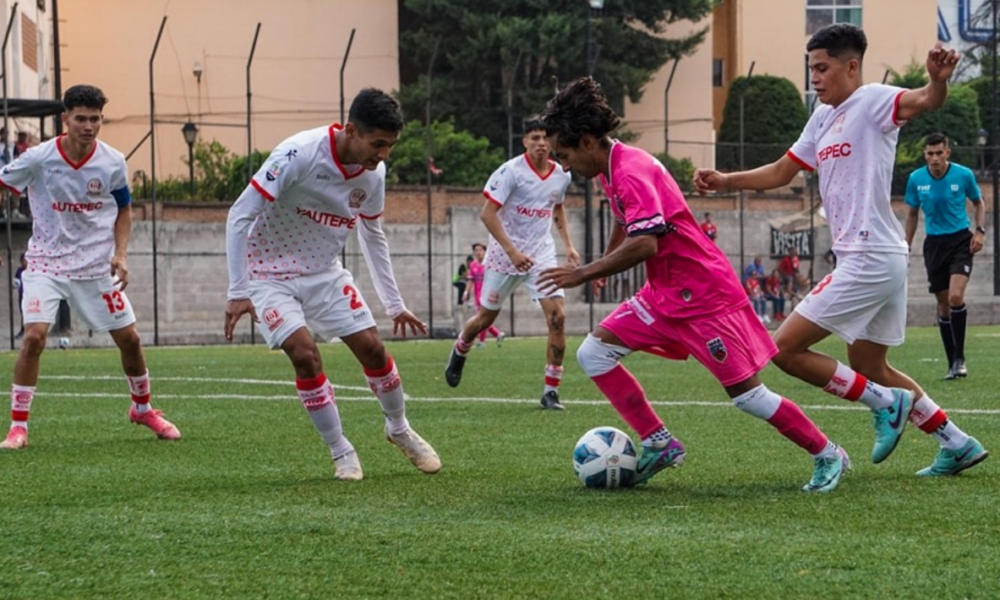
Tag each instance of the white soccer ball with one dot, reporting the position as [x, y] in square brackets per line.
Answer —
[64, 343]
[605, 458]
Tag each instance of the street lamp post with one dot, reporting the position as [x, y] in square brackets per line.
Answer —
[190, 131]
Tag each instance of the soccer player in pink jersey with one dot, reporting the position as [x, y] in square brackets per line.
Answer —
[523, 200]
[850, 141]
[691, 305]
[82, 219]
[283, 240]
[477, 273]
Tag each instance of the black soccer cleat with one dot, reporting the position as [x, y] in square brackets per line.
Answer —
[453, 372]
[550, 401]
[958, 369]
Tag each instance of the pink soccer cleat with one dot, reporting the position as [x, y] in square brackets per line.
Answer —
[163, 428]
[17, 438]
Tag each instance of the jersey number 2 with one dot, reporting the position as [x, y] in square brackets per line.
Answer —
[353, 293]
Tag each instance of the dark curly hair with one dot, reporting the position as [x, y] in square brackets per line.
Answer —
[374, 109]
[87, 96]
[579, 109]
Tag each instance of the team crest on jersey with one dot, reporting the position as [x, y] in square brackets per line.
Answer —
[273, 319]
[717, 349]
[273, 171]
[94, 187]
[357, 196]
[621, 209]
[838, 123]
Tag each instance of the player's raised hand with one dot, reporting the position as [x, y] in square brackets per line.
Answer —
[404, 319]
[236, 309]
[941, 62]
[709, 180]
[119, 271]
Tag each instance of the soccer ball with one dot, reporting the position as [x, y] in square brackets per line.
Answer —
[605, 458]
[63, 343]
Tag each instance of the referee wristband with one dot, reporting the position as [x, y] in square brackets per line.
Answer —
[981, 229]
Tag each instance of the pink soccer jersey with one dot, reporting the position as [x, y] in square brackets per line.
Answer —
[313, 204]
[74, 207]
[526, 198]
[476, 274]
[853, 148]
[689, 276]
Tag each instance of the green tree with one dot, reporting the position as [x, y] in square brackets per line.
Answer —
[681, 169]
[464, 159]
[773, 118]
[489, 47]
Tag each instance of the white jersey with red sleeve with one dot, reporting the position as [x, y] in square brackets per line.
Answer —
[312, 204]
[74, 207]
[295, 217]
[853, 149]
[526, 199]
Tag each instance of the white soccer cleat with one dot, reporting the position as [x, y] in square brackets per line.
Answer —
[17, 438]
[348, 467]
[416, 449]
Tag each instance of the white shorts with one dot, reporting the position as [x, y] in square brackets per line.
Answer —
[497, 287]
[327, 303]
[98, 302]
[863, 299]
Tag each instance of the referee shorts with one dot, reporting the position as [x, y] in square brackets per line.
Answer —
[947, 255]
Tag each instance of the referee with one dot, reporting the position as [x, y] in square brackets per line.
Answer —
[942, 189]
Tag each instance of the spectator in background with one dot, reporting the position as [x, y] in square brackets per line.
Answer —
[756, 271]
[774, 292]
[4, 147]
[21, 144]
[789, 267]
[708, 226]
[461, 279]
[756, 295]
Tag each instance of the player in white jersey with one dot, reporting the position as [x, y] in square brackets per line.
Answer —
[283, 239]
[82, 219]
[523, 199]
[851, 142]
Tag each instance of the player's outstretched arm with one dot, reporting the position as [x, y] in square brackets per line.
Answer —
[562, 226]
[631, 252]
[405, 320]
[767, 177]
[941, 64]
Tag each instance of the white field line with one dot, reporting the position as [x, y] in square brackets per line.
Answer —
[367, 397]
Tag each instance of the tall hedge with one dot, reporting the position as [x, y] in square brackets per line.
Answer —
[773, 116]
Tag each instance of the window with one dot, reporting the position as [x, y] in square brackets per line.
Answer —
[718, 78]
[820, 13]
[29, 43]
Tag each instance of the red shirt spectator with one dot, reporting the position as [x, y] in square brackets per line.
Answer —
[709, 227]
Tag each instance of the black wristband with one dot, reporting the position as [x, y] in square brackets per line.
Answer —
[981, 229]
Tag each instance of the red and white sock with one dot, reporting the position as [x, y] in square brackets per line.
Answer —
[20, 404]
[851, 385]
[388, 388]
[462, 347]
[931, 419]
[317, 397]
[553, 377]
[139, 388]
